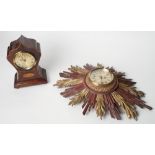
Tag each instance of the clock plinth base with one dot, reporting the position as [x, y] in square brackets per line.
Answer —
[31, 82]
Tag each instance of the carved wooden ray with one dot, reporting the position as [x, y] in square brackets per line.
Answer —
[117, 96]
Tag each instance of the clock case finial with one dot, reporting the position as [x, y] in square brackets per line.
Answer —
[34, 76]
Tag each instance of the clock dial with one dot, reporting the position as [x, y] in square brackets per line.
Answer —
[101, 76]
[24, 60]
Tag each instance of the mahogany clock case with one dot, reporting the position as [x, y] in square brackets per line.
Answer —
[33, 76]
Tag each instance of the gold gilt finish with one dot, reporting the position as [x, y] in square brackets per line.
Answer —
[78, 98]
[129, 109]
[100, 106]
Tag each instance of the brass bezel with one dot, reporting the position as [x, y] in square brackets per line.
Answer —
[21, 67]
[104, 88]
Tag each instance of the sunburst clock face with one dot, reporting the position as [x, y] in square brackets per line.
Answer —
[101, 76]
[103, 89]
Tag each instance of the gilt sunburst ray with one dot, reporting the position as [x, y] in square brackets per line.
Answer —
[103, 89]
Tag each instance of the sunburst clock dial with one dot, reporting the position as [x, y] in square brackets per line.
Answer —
[24, 54]
[103, 89]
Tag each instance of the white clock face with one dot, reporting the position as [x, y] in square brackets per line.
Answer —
[101, 76]
[24, 60]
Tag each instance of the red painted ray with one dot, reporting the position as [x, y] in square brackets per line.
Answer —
[132, 99]
[112, 106]
[73, 90]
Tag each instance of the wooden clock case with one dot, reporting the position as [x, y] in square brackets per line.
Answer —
[33, 76]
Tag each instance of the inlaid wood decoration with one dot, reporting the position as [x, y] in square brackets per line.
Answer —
[24, 54]
[103, 89]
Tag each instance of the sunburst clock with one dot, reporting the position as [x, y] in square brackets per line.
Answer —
[103, 89]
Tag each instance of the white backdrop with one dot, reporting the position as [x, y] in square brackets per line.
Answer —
[131, 52]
